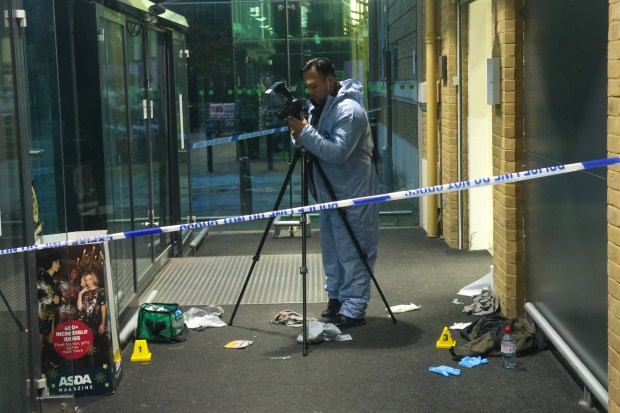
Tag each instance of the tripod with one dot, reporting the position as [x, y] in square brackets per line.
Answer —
[301, 152]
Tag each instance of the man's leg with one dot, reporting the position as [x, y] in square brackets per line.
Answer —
[355, 286]
[333, 270]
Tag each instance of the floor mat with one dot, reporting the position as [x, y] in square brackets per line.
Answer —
[219, 280]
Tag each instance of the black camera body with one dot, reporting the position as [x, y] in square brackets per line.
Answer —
[292, 107]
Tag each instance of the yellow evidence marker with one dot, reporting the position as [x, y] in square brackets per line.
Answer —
[141, 352]
[445, 340]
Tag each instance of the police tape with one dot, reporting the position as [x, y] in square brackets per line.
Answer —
[235, 138]
[392, 196]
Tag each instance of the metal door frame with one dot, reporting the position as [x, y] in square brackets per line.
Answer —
[18, 61]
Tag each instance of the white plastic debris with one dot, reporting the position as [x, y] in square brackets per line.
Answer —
[459, 326]
[199, 319]
[318, 332]
[403, 308]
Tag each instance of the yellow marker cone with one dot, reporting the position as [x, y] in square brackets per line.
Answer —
[445, 340]
[141, 351]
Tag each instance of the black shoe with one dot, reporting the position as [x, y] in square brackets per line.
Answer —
[342, 321]
[333, 306]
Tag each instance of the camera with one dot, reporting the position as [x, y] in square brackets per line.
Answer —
[292, 107]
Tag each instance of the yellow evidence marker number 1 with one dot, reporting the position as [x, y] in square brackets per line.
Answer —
[141, 352]
[445, 340]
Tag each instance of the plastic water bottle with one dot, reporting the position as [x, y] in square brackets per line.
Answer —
[509, 349]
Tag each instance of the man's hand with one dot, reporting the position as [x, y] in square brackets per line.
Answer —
[296, 126]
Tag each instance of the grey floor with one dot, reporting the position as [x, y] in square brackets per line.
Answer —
[383, 369]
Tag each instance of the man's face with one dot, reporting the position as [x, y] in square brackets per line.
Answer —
[318, 86]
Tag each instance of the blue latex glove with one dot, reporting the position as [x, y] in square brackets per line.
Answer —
[445, 370]
[470, 362]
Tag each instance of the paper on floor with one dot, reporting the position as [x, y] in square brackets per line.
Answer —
[403, 308]
[459, 326]
[476, 287]
[238, 344]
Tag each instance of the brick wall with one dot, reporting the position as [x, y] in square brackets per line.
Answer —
[449, 123]
[613, 208]
[464, 82]
[508, 248]
[508, 255]
[507, 120]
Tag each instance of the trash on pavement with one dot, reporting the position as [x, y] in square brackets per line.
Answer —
[445, 371]
[289, 318]
[470, 362]
[459, 326]
[318, 332]
[200, 319]
[238, 344]
[403, 308]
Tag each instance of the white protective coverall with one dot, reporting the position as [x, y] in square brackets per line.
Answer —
[342, 143]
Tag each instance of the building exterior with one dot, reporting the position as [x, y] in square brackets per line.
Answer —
[119, 115]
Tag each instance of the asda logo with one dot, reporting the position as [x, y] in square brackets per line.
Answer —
[75, 380]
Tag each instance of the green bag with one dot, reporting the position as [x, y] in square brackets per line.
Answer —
[483, 337]
[161, 322]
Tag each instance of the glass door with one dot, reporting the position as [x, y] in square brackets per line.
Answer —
[150, 149]
[17, 352]
[180, 54]
[240, 48]
[139, 146]
[111, 28]
[157, 94]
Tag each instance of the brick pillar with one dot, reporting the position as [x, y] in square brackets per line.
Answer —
[613, 208]
[508, 256]
[448, 122]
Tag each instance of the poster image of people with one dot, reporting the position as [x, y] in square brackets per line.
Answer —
[79, 344]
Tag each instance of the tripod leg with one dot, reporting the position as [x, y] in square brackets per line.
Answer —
[358, 247]
[265, 233]
[304, 269]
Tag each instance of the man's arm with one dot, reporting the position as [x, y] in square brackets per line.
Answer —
[344, 137]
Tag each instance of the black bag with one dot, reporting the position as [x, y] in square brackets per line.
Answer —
[161, 322]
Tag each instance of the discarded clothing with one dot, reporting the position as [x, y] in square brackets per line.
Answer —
[199, 319]
[484, 303]
[289, 318]
[317, 332]
[483, 337]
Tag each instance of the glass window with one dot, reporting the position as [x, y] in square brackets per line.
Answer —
[46, 143]
[240, 48]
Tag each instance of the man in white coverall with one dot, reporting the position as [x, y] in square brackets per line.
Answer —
[338, 135]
